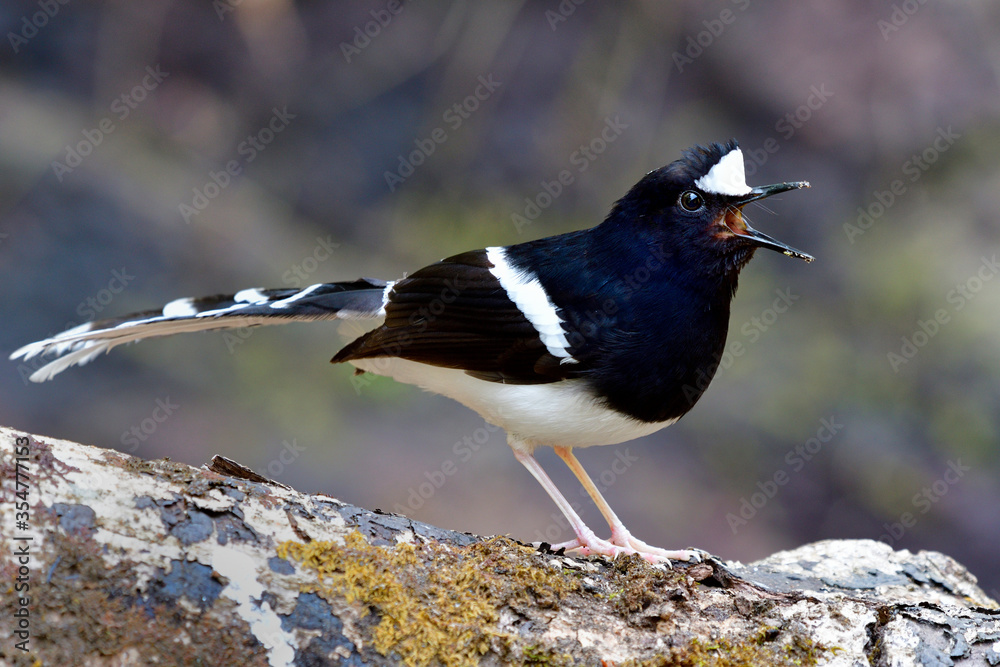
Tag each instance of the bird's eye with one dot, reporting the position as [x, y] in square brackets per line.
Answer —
[691, 201]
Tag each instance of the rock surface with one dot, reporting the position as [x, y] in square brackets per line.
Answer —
[106, 559]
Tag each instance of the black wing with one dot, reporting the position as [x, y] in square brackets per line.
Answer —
[455, 314]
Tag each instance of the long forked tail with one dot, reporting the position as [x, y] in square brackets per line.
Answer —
[360, 299]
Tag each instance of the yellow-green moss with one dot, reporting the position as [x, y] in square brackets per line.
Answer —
[759, 650]
[637, 585]
[440, 605]
[435, 603]
[545, 657]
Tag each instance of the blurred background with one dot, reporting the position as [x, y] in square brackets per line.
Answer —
[156, 150]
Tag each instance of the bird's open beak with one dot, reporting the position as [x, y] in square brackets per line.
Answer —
[741, 228]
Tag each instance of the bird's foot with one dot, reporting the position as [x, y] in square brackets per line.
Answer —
[655, 554]
[626, 544]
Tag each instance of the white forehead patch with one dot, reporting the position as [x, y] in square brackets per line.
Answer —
[727, 177]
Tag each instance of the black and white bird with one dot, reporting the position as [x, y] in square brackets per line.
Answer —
[594, 337]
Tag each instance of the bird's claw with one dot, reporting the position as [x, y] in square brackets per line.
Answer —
[624, 544]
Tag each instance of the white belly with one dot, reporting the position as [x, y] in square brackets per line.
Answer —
[564, 413]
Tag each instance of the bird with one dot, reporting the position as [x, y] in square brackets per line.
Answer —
[587, 338]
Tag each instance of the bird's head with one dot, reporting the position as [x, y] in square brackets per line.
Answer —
[694, 208]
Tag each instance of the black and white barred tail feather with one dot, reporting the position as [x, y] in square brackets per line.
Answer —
[360, 299]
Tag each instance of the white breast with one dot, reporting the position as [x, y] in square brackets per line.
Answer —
[564, 413]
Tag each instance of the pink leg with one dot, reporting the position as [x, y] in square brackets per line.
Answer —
[620, 535]
[586, 541]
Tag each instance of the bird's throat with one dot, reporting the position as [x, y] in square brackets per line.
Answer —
[732, 220]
